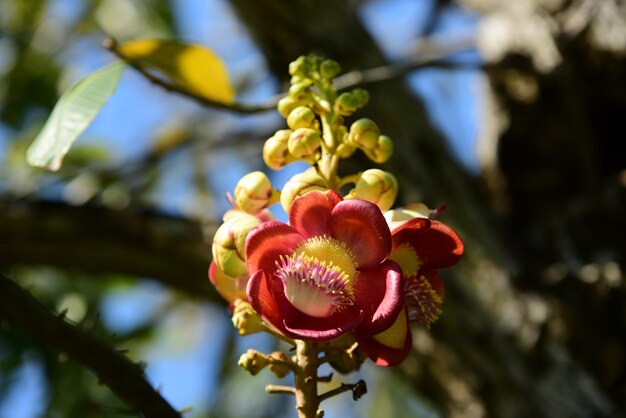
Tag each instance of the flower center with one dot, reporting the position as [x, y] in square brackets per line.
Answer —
[407, 259]
[423, 302]
[319, 276]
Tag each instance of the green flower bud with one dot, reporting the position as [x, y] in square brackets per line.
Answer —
[304, 142]
[301, 184]
[346, 104]
[361, 96]
[300, 67]
[275, 150]
[229, 244]
[286, 105]
[253, 362]
[364, 134]
[279, 370]
[378, 187]
[383, 150]
[245, 319]
[301, 117]
[330, 69]
[254, 192]
[301, 92]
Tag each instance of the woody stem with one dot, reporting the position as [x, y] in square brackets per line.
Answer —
[307, 399]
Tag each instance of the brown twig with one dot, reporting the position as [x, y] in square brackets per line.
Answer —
[358, 389]
[345, 81]
[125, 378]
[280, 389]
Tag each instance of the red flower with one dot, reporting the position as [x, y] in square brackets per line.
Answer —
[326, 273]
[420, 246]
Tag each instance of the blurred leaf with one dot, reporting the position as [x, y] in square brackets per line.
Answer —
[194, 67]
[74, 111]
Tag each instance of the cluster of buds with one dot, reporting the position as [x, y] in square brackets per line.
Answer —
[347, 273]
[315, 117]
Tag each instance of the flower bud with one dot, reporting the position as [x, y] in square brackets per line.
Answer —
[383, 150]
[286, 105]
[364, 134]
[397, 217]
[301, 184]
[378, 187]
[300, 117]
[245, 319]
[230, 288]
[253, 362]
[349, 360]
[304, 142]
[254, 192]
[279, 370]
[346, 104]
[330, 69]
[301, 92]
[229, 244]
[275, 150]
[264, 215]
[301, 67]
[361, 96]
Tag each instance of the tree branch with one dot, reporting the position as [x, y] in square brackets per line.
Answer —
[436, 57]
[100, 240]
[112, 45]
[125, 378]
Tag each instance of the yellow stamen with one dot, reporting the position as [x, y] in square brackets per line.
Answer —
[406, 258]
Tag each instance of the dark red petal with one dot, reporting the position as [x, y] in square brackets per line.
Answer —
[261, 298]
[438, 247]
[310, 214]
[306, 327]
[267, 242]
[361, 225]
[384, 355]
[408, 229]
[379, 293]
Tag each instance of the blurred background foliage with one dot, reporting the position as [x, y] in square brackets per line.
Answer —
[517, 124]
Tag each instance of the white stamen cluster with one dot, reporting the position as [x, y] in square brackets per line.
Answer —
[300, 273]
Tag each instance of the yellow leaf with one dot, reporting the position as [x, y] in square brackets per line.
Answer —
[192, 66]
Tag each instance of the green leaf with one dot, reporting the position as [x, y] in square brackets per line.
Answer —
[191, 66]
[73, 113]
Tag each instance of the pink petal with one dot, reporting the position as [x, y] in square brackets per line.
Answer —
[306, 327]
[361, 225]
[384, 355]
[438, 247]
[379, 294]
[310, 213]
[267, 242]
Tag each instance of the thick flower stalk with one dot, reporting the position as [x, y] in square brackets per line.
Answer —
[346, 277]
